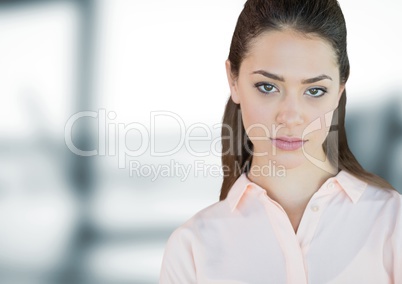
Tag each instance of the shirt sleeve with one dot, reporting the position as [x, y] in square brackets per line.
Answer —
[397, 246]
[178, 263]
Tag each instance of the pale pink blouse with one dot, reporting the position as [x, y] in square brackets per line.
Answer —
[350, 232]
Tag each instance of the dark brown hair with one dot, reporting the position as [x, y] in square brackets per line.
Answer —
[322, 18]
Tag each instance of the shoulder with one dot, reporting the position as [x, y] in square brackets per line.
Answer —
[200, 219]
[383, 195]
[367, 195]
[179, 258]
[386, 203]
[180, 255]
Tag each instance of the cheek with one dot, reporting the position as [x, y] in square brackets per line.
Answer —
[257, 119]
[318, 125]
[256, 112]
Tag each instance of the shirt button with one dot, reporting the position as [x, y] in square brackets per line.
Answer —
[315, 208]
[331, 185]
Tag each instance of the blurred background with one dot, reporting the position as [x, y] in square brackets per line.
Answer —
[150, 75]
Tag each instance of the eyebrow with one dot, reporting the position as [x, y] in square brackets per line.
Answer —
[279, 78]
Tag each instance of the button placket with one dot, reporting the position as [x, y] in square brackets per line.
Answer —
[288, 241]
[309, 221]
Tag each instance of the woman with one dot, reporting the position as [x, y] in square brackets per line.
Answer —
[318, 217]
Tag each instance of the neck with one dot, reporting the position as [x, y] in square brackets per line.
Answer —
[295, 187]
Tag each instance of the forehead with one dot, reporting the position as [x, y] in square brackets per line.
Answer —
[284, 51]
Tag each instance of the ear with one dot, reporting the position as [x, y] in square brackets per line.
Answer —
[232, 83]
[341, 89]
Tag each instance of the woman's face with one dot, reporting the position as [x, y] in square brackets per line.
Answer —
[288, 87]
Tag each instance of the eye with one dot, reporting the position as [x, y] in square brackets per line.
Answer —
[316, 92]
[266, 88]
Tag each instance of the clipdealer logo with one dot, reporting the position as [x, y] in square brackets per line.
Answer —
[112, 141]
[112, 136]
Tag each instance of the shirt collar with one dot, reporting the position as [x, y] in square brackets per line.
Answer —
[237, 190]
[352, 186]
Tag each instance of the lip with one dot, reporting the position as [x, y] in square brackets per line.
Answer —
[288, 143]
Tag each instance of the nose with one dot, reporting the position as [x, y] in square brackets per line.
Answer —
[289, 112]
